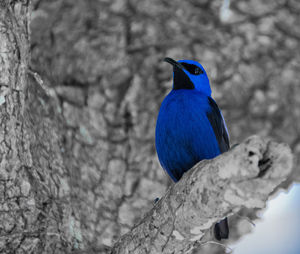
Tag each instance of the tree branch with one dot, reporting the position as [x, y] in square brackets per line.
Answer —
[243, 177]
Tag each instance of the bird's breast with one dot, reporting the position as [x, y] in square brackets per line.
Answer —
[184, 135]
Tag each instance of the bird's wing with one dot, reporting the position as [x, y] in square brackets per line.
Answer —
[218, 124]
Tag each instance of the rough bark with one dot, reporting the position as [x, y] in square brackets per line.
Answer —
[243, 177]
[35, 215]
[78, 168]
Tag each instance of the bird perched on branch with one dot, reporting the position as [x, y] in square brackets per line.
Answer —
[190, 126]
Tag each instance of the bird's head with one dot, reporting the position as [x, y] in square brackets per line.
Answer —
[189, 74]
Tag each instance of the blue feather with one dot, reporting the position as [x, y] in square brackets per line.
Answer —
[184, 135]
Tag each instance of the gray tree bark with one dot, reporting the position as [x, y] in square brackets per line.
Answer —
[184, 217]
[77, 165]
[36, 214]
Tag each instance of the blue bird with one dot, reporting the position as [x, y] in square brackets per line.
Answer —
[190, 126]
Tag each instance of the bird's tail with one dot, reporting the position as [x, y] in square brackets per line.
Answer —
[221, 230]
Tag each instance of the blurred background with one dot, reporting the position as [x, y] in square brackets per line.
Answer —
[104, 60]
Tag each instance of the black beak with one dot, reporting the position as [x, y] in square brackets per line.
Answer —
[181, 79]
[174, 63]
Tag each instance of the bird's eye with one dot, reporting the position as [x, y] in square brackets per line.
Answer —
[197, 71]
[192, 68]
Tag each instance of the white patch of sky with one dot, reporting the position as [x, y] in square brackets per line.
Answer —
[279, 229]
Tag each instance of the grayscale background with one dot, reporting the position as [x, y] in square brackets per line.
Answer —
[103, 59]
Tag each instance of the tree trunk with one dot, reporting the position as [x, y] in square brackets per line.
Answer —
[36, 213]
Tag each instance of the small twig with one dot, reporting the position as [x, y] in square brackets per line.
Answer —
[39, 80]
